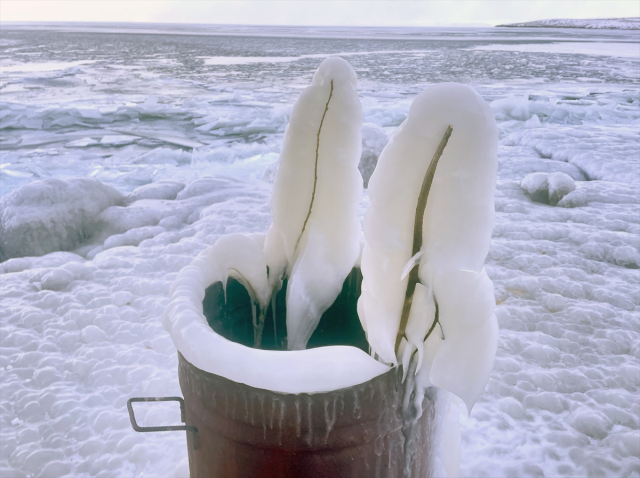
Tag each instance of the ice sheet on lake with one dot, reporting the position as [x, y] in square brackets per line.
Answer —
[628, 50]
[35, 67]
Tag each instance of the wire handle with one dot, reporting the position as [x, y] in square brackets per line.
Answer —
[169, 428]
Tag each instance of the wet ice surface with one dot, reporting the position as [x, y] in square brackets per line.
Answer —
[630, 50]
[81, 329]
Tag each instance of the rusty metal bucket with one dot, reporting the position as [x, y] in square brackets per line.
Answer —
[238, 431]
[249, 432]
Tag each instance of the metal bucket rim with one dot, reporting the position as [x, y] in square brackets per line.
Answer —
[307, 371]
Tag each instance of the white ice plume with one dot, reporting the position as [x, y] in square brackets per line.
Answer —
[452, 302]
[314, 237]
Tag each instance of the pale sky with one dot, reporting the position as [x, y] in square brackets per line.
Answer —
[326, 12]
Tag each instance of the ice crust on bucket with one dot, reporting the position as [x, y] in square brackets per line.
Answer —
[457, 225]
[303, 371]
[314, 238]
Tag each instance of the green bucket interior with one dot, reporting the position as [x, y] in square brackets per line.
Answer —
[233, 319]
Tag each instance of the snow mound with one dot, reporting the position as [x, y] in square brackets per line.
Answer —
[52, 215]
[151, 215]
[603, 192]
[631, 23]
[548, 188]
[54, 259]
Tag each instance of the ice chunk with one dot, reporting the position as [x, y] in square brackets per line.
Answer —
[536, 186]
[90, 113]
[560, 184]
[117, 140]
[167, 137]
[51, 215]
[164, 189]
[162, 156]
[512, 107]
[81, 143]
[204, 186]
[314, 239]
[548, 188]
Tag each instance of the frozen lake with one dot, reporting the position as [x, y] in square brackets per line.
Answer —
[164, 107]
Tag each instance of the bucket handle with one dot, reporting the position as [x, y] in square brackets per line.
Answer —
[170, 428]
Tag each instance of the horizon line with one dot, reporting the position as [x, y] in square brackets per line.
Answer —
[470, 24]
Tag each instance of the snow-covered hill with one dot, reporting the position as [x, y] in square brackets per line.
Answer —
[632, 23]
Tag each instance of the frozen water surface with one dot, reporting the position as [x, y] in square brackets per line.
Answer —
[182, 145]
[630, 50]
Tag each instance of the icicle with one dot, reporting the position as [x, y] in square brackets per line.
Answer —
[421, 317]
[259, 329]
[253, 316]
[407, 354]
[224, 288]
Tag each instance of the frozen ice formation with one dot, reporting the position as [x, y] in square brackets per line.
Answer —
[548, 188]
[374, 139]
[314, 239]
[241, 257]
[454, 233]
[302, 371]
[163, 189]
[52, 215]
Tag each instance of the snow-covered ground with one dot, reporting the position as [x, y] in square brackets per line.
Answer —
[632, 23]
[173, 135]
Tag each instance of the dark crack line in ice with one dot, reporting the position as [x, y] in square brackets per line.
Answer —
[315, 172]
[414, 278]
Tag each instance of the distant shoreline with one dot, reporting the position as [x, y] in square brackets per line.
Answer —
[631, 23]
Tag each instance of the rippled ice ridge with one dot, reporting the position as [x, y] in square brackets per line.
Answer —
[154, 115]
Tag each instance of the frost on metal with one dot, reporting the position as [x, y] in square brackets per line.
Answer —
[440, 245]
